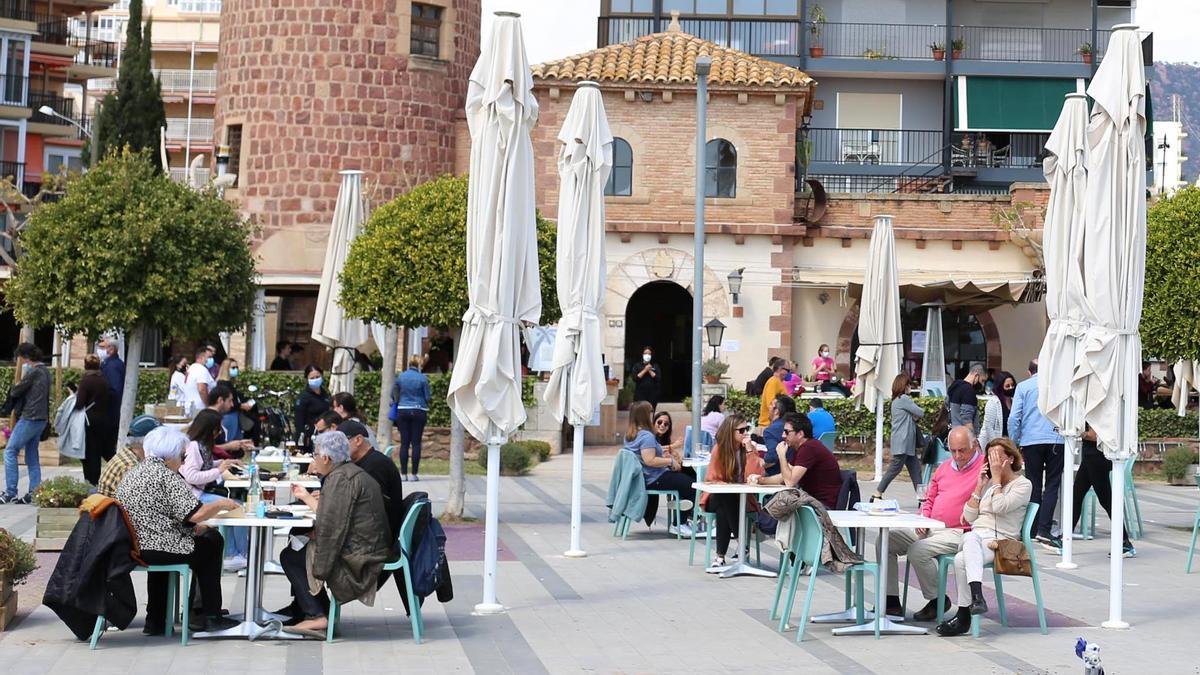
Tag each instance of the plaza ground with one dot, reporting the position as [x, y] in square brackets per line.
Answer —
[636, 606]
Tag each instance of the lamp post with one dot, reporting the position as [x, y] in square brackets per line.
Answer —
[1162, 176]
[715, 330]
[703, 65]
[735, 283]
[47, 110]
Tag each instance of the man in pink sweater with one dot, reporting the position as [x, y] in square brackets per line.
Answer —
[947, 493]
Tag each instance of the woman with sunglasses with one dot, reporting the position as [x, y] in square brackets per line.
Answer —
[733, 458]
[661, 469]
[663, 430]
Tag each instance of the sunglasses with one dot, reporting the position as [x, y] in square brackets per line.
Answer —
[663, 422]
[742, 430]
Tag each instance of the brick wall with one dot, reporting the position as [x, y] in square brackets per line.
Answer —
[321, 87]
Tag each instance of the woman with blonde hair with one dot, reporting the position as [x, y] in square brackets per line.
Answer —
[733, 458]
[996, 510]
[661, 469]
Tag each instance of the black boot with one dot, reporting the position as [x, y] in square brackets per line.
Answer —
[978, 603]
[931, 611]
[894, 608]
[959, 624]
[216, 622]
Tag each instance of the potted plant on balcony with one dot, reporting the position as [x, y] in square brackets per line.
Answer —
[713, 369]
[957, 45]
[1085, 52]
[939, 51]
[816, 24]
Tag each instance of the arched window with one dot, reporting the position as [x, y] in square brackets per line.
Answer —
[720, 169]
[620, 181]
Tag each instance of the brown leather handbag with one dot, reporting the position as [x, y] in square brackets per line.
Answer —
[1011, 558]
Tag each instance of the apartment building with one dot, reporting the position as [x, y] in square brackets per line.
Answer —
[184, 57]
[914, 95]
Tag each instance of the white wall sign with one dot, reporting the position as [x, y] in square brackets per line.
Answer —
[918, 341]
[731, 346]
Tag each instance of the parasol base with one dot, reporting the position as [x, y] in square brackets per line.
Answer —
[485, 608]
[1115, 625]
[575, 553]
[1066, 565]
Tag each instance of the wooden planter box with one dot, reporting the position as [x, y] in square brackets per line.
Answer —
[8, 601]
[53, 528]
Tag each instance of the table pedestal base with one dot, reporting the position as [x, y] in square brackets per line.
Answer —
[741, 568]
[253, 631]
[851, 616]
[886, 627]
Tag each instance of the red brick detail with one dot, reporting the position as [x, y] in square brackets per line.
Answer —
[808, 242]
[995, 245]
[739, 239]
[921, 243]
[738, 311]
[626, 237]
[846, 243]
[664, 238]
[956, 244]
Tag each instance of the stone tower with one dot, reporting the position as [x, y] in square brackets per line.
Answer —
[309, 87]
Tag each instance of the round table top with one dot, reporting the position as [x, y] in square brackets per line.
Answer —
[278, 459]
[738, 488]
[302, 482]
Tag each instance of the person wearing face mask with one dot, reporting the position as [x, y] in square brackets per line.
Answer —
[648, 377]
[197, 383]
[178, 378]
[995, 414]
[29, 400]
[313, 403]
[824, 371]
[113, 369]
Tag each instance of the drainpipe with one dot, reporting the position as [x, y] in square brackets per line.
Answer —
[948, 91]
[1095, 47]
[657, 20]
[803, 33]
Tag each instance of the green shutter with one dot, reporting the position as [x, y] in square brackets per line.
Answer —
[1011, 103]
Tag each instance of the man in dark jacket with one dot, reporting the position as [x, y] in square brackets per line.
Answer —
[29, 400]
[381, 468]
[91, 577]
[113, 369]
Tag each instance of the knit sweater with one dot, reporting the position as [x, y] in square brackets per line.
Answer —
[771, 389]
[949, 491]
[1002, 509]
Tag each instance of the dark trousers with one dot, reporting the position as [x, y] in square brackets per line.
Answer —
[893, 470]
[681, 483]
[828, 386]
[1044, 459]
[205, 561]
[296, 569]
[411, 424]
[96, 444]
[1094, 468]
[725, 507]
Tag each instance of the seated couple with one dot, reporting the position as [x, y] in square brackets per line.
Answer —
[979, 496]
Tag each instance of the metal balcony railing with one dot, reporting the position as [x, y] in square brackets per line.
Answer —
[179, 80]
[14, 89]
[872, 146]
[876, 41]
[21, 10]
[100, 53]
[179, 173]
[60, 104]
[14, 171]
[52, 29]
[201, 130]
[758, 36]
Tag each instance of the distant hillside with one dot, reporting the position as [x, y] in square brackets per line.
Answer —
[1182, 79]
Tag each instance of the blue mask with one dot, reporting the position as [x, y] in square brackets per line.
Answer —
[25, 368]
[209, 362]
[316, 382]
[233, 372]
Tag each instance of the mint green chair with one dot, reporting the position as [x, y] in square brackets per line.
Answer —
[183, 574]
[944, 563]
[1027, 539]
[829, 440]
[1133, 511]
[807, 540]
[710, 522]
[1195, 531]
[942, 455]
[674, 513]
[387, 452]
[401, 563]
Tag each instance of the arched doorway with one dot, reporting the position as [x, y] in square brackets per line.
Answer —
[659, 314]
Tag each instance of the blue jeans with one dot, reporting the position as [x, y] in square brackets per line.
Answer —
[411, 424]
[237, 539]
[26, 434]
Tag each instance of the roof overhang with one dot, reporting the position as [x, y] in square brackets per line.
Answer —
[960, 290]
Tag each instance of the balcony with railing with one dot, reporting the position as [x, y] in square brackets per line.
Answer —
[52, 29]
[21, 10]
[896, 45]
[58, 103]
[180, 174]
[14, 171]
[201, 130]
[174, 80]
[98, 53]
[14, 89]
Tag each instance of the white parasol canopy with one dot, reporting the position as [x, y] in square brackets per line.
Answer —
[1114, 250]
[576, 385]
[258, 332]
[880, 343]
[1187, 378]
[1066, 171]
[331, 326]
[502, 263]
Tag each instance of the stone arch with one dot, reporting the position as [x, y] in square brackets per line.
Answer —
[660, 263]
[845, 338]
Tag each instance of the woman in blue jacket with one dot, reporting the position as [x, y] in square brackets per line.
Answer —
[411, 396]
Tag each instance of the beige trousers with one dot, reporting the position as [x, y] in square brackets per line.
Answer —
[922, 555]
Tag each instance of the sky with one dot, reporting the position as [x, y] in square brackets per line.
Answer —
[557, 28]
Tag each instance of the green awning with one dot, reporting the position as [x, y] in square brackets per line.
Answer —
[1010, 103]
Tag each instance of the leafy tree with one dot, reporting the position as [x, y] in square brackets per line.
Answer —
[134, 115]
[1171, 313]
[127, 248]
[409, 268]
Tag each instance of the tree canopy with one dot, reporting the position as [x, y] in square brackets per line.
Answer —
[134, 115]
[408, 267]
[1171, 313]
[128, 246]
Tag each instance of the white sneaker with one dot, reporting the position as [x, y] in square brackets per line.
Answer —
[718, 565]
[235, 563]
[685, 530]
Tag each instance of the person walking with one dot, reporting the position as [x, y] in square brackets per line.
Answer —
[648, 379]
[113, 369]
[93, 398]
[998, 409]
[1042, 448]
[1094, 471]
[962, 401]
[906, 437]
[411, 395]
[197, 382]
[29, 400]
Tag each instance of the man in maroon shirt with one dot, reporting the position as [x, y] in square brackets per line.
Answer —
[806, 463]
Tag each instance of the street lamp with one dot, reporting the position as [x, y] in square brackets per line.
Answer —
[715, 330]
[735, 283]
[47, 110]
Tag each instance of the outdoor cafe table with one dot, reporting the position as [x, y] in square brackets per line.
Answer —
[310, 483]
[255, 622]
[278, 459]
[860, 520]
[741, 489]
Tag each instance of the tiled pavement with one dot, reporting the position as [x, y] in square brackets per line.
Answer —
[636, 606]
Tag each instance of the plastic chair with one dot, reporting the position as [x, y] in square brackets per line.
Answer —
[387, 452]
[401, 563]
[942, 455]
[807, 540]
[829, 440]
[706, 440]
[710, 522]
[944, 563]
[1195, 531]
[1027, 539]
[1133, 512]
[184, 574]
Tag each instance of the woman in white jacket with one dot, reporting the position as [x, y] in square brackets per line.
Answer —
[996, 510]
[995, 414]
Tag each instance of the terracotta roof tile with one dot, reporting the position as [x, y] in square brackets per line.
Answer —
[670, 58]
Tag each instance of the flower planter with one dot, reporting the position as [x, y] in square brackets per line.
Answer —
[956, 54]
[816, 52]
[1087, 58]
[8, 601]
[939, 55]
[53, 528]
[712, 379]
